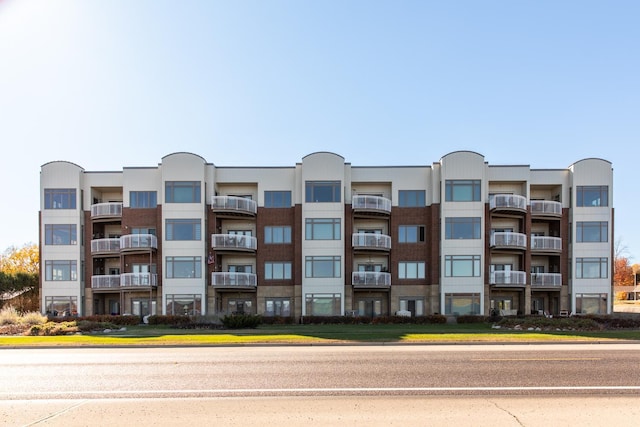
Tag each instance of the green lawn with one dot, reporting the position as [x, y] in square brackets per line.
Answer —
[315, 334]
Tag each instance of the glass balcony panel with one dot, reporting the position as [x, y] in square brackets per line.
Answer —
[105, 246]
[138, 241]
[233, 279]
[138, 280]
[105, 281]
[546, 243]
[371, 241]
[508, 202]
[508, 278]
[546, 280]
[508, 239]
[234, 242]
[112, 209]
[371, 203]
[234, 204]
[546, 207]
[371, 279]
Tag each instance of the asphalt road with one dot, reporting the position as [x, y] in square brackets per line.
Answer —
[532, 384]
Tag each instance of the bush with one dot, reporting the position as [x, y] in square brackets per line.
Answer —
[53, 328]
[169, 320]
[33, 318]
[471, 318]
[107, 318]
[241, 321]
[9, 316]
[93, 326]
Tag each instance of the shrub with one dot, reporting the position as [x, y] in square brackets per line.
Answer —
[241, 321]
[109, 318]
[53, 328]
[278, 320]
[9, 316]
[93, 326]
[470, 318]
[33, 318]
[169, 320]
[621, 296]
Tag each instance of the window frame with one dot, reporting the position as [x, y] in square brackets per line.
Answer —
[61, 270]
[592, 228]
[60, 198]
[583, 191]
[318, 192]
[315, 266]
[282, 232]
[412, 198]
[462, 224]
[172, 261]
[600, 264]
[143, 199]
[277, 199]
[405, 267]
[455, 189]
[406, 233]
[183, 225]
[285, 266]
[453, 263]
[66, 230]
[175, 191]
[315, 227]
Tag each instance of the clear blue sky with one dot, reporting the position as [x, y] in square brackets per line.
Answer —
[113, 83]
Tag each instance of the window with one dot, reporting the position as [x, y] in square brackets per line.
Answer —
[465, 190]
[461, 304]
[589, 196]
[592, 231]
[591, 268]
[410, 233]
[184, 305]
[462, 228]
[323, 304]
[277, 270]
[60, 198]
[591, 303]
[141, 230]
[183, 229]
[462, 266]
[322, 266]
[143, 199]
[277, 199]
[182, 267]
[413, 305]
[411, 270]
[322, 191]
[64, 270]
[182, 192]
[239, 306]
[322, 229]
[61, 306]
[411, 198]
[277, 307]
[277, 234]
[60, 234]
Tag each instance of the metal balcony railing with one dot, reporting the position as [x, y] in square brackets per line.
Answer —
[546, 280]
[508, 202]
[371, 241]
[234, 279]
[138, 242]
[234, 242]
[546, 208]
[368, 279]
[508, 278]
[111, 209]
[105, 281]
[128, 280]
[371, 203]
[546, 243]
[508, 239]
[234, 204]
[105, 246]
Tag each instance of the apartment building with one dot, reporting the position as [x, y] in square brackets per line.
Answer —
[325, 238]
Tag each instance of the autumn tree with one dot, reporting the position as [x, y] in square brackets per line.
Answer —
[19, 275]
[623, 274]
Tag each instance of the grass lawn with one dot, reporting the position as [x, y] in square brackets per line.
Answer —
[316, 334]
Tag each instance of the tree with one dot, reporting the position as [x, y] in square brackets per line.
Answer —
[623, 274]
[19, 277]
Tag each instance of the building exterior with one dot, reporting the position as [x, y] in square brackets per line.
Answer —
[325, 238]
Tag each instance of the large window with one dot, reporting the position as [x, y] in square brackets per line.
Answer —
[592, 231]
[462, 266]
[323, 304]
[277, 307]
[184, 304]
[277, 199]
[411, 233]
[461, 304]
[143, 199]
[60, 234]
[61, 270]
[183, 267]
[462, 190]
[591, 303]
[462, 228]
[277, 234]
[322, 191]
[591, 268]
[143, 230]
[183, 229]
[60, 198]
[589, 196]
[411, 198]
[61, 306]
[322, 229]
[277, 270]
[411, 270]
[322, 266]
[182, 192]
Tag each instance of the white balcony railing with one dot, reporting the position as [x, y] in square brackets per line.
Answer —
[234, 242]
[105, 281]
[105, 246]
[111, 209]
[371, 203]
[234, 204]
[509, 239]
[371, 241]
[138, 280]
[546, 280]
[546, 243]
[376, 279]
[508, 278]
[234, 279]
[508, 202]
[546, 207]
[138, 242]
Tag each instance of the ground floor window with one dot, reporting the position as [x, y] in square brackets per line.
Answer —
[61, 306]
[277, 307]
[415, 306]
[140, 307]
[370, 307]
[239, 306]
[591, 303]
[184, 304]
[323, 304]
[462, 304]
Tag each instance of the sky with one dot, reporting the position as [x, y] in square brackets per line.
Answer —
[108, 84]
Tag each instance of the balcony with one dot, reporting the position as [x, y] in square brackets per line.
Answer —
[508, 203]
[371, 241]
[233, 280]
[546, 244]
[138, 242]
[234, 206]
[138, 280]
[371, 205]
[508, 240]
[234, 242]
[371, 279]
[516, 279]
[108, 246]
[546, 281]
[106, 210]
[546, 208]
[106, 281]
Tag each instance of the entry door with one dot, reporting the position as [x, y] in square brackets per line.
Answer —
[370, 307]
